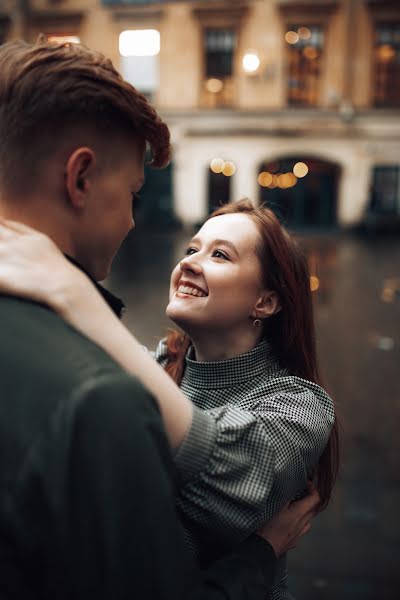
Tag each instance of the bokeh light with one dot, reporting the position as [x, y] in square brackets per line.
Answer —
[264, 178]
[214, 86]
[300, 169]
[314, 283]
[217, 165]
[274, 182]
[251, 62]
[310, 52]
[292, 37]
[386, 52]
[229, 168]
[304, 33]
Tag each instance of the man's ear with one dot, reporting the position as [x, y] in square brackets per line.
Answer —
[267, 305]
[78, 175]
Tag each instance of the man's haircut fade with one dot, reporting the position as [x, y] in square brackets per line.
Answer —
[47, 87]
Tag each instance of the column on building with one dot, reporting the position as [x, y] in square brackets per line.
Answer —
[189, 185]
[354, 191]
[244, 182]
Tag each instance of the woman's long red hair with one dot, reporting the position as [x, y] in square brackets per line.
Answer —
[290, 331]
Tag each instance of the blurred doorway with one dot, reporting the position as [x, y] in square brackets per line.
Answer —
[154, 206]
[308, 201]
[219, 190]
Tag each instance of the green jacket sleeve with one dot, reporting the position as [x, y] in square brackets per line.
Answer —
[104, 474]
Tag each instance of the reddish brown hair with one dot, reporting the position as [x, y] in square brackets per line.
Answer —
[290, 331]
[47, 88]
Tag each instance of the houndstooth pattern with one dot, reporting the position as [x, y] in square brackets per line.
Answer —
[256, 436]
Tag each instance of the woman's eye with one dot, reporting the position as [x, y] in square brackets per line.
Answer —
[220, 254]
[190, 251]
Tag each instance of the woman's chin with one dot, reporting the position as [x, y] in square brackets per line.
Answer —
[178, 316]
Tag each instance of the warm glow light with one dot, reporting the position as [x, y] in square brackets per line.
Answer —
[284, 181]
[292, 37]
[251, 62]
[386, 52]
[214, 86]
[300, 169]
[314, 283]
[264, 179]
[388, 295]
[217, 165]
[310, 52]
[64, 39]
[139, 42]
[274, 182]
[304, 33]
[229, 168]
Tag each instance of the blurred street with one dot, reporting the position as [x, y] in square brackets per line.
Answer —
[352, 551]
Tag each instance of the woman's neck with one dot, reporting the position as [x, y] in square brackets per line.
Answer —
[216, 346]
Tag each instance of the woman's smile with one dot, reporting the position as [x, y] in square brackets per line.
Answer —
[186, 288]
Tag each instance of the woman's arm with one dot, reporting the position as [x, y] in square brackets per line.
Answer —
[245, 458]
[33, 267]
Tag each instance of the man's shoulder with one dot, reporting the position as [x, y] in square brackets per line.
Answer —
[54, 379]
[36, 340]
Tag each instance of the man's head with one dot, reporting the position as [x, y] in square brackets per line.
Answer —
[73, 135]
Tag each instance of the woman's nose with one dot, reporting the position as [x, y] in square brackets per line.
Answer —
[189, 263]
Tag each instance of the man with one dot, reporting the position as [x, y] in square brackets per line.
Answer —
[86, 481]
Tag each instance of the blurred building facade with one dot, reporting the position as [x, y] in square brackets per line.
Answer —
[261, 85]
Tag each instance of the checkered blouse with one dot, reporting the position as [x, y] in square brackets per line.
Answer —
[256, 436]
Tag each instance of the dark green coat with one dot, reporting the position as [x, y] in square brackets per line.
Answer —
[86, 494]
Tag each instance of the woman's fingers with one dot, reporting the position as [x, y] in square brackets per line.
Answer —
[308, 504]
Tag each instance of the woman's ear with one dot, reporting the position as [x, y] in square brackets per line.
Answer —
[267, 305]
[78, 176]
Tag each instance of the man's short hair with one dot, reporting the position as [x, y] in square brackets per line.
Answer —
[47, 89]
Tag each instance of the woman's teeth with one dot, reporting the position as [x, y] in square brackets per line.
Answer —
[183, 289]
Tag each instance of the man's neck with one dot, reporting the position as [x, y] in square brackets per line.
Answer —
[37, 216]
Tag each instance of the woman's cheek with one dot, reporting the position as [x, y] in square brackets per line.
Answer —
[175, 276]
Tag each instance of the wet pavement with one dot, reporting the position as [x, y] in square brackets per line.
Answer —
[353, 550]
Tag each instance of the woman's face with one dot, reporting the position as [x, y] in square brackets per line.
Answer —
[218, 282]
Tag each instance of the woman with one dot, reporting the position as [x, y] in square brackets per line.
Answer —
[260, 424]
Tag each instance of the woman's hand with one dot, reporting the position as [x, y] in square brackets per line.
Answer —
[286, 528]
[32, 266]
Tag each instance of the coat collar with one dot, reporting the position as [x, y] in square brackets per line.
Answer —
[116, 305]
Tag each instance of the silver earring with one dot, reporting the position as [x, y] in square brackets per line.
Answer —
[257, 321]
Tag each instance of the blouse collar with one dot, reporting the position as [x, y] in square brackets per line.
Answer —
[232, 371]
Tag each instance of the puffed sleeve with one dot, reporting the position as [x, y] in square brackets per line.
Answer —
[238, 464]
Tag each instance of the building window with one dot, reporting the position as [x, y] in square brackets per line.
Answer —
[305, 47]
[387, 65]
[139, 51]
[385, 193]
[219, 47]
[219, 51]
